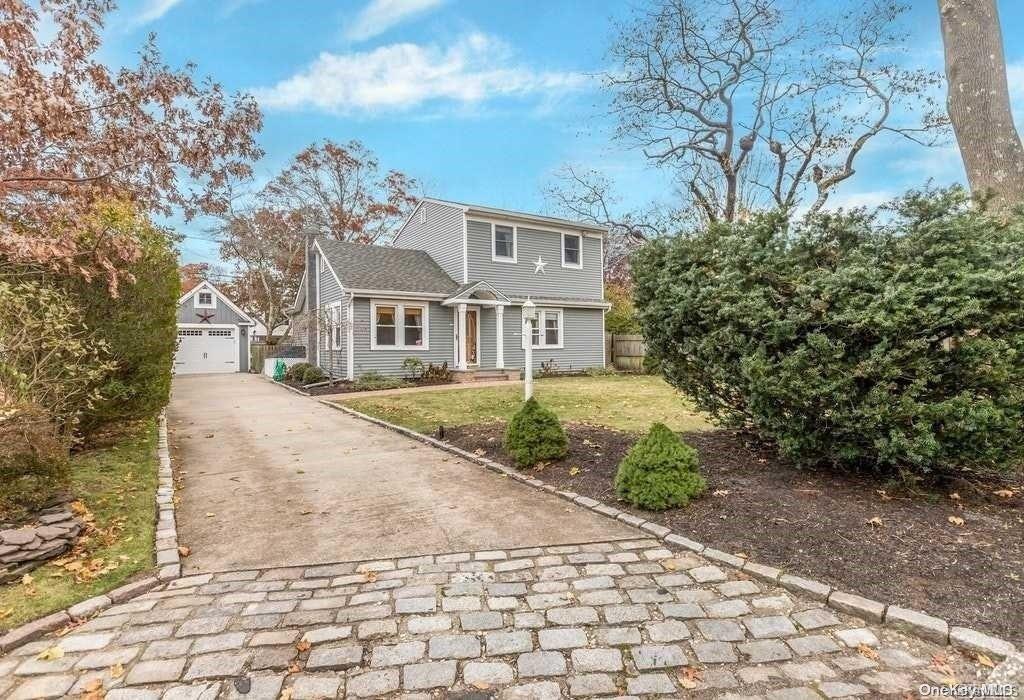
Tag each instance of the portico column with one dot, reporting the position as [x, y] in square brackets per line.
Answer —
[499, 335]
[462, 337]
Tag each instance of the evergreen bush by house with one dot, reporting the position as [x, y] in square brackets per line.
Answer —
[296, 371]
[535, 435]
[660, 471]
[895, 345]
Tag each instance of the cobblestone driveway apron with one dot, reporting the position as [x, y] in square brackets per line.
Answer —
[602, 619]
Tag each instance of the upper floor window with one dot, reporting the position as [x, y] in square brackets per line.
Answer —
[503, 243]
[205, 300]
[572, 250]
[398, 326]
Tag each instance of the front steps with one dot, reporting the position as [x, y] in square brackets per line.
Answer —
[485, 375]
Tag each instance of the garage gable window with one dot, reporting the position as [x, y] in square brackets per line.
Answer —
[204, 299]
[546, 330]
[399, 326]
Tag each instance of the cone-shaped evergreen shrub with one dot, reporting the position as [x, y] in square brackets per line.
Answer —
[535, 435]
[659, 472]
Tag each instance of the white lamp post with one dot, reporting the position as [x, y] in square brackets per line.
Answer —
[529, 315]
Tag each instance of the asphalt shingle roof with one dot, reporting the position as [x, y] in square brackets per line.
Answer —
[362, 266]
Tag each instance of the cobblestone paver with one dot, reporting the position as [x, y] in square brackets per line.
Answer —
[609, 619]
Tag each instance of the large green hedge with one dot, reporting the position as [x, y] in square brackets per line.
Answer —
[139, 326]
[893, 343]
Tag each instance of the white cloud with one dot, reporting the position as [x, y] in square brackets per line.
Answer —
[399, 77]
[154, 10]
[380, 15]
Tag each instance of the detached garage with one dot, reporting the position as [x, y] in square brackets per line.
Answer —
[213, 333]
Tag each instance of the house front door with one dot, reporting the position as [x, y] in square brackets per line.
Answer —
[472, 337]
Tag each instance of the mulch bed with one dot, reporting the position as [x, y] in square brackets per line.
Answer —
[823, 524]
[347, 387]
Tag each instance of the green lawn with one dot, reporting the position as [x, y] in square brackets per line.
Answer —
[625, 402]
[117, 485]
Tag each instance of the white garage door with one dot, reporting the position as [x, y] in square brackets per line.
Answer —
[206, 350]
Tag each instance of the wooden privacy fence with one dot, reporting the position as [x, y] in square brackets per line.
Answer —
[625, 351]
[257, 353]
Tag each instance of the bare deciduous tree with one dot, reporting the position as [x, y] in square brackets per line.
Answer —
[749, 105]
[267, 248]
[342, 194]
[979, 100]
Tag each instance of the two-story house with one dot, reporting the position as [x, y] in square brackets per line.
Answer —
[450, 289]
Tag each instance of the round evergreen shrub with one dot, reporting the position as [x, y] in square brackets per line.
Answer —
[893, 344]
[659, 472]
[535, 435]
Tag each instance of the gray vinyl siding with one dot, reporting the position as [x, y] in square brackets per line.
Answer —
[440, 236]
[519, 279]
[187, 313]
[328, 292]
[582, 337]
[389, 362]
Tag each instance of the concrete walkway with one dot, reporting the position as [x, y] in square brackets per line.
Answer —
[271, 478]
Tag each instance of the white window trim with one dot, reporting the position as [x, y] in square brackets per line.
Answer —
[199, 305]
[541, 315]
[574, 266]
[335, 325]
[515, 244]
[400, 307]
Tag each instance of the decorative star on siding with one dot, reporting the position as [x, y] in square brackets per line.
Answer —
[539, 266]
[205, 317]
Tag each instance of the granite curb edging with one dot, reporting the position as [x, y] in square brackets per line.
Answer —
[166, 552]
[919, 624]
[292, 389]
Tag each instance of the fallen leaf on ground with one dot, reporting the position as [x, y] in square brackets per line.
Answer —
[480, 685]
[371, 576]
[573, 471]
[294, 668]
[883, 495]
[117, 670]
[867, 652]
[985, 661]
[1004, 493]
[51, 654]
[875, 522]
[286, 694]
[184, 551]
[720, 492]
[26, 580]
[954, 496]
[955, 520]
[689, 677]
[7, 612]
[303, 646]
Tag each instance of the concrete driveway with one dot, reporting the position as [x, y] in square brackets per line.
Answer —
[271, 478]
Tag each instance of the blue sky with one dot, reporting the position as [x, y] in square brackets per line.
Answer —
[482, 100]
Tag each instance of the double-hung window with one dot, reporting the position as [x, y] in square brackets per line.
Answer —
[546, 330]
[399, 326]
[204, 300]
[503, 243]
[572, 250]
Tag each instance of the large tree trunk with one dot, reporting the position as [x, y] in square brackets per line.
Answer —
[979, 101]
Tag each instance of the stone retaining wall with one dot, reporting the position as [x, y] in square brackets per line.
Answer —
[23, 549]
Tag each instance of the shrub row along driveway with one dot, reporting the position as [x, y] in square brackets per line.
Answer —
[271, 478]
